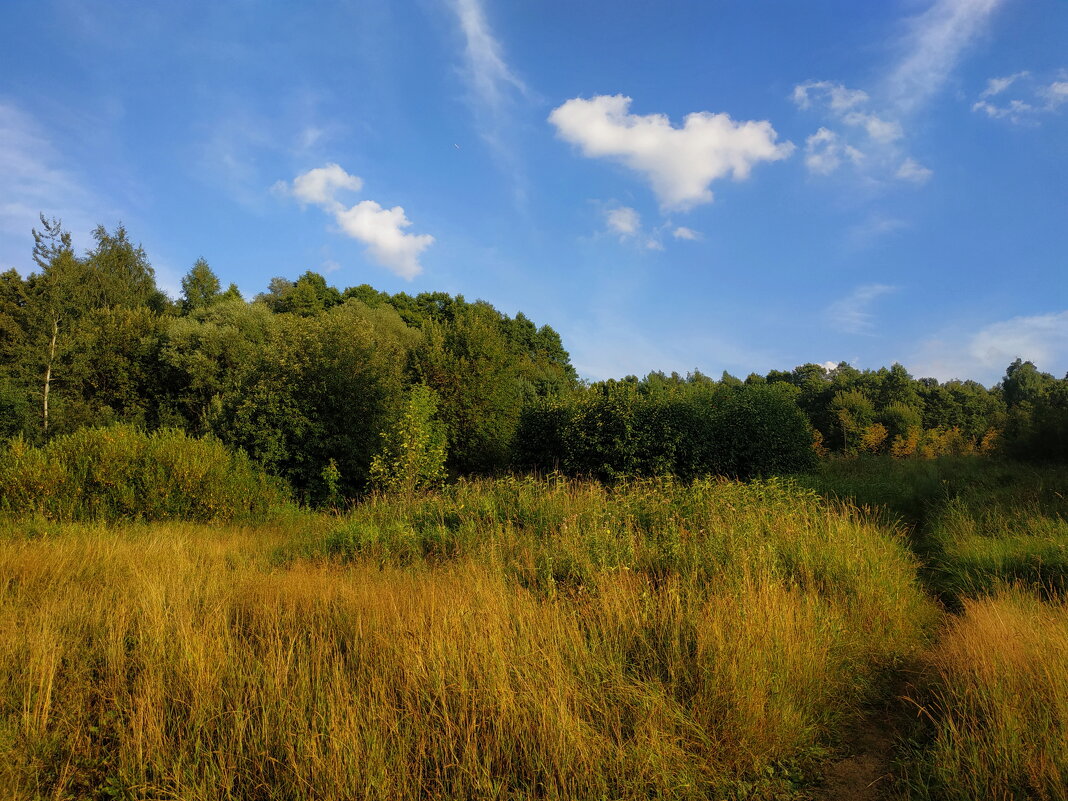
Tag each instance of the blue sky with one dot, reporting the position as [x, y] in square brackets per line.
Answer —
[671, 185]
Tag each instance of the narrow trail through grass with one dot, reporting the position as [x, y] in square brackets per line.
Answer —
[986, 713]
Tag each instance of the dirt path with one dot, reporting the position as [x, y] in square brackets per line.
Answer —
[864, 774]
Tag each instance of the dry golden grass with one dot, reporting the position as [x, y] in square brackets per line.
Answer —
[997, 698]
[177, 661]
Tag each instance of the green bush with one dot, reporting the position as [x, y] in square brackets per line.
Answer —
[621, 429]
[121, 473]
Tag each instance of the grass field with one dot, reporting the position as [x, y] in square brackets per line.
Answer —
[991, 699]
[541, 638]
[514, 639]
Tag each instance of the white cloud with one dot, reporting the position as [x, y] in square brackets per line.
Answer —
[934, 45]
[319, 186]
[984, 355]
[995, 86]
[852, 314]
[829, 366]
[912, 170]
[878, 129]
[382, 230]
[1040, 99]
[1042, 339]
[835, 96]
[827, 149]
[1056, 93]
[624, 220]
[680, 163]
[682, 232]
[824, 152]
[1015, 110]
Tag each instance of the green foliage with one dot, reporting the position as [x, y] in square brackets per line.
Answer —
[307, 377]
[618, 429]
[1037, 420]
[119, 473]
[200, 287]
[413, 451]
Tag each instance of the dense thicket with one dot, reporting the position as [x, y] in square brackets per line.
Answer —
[311, 382]
[119, 473]
[687, 429]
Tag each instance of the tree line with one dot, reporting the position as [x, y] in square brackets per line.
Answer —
[323, 386]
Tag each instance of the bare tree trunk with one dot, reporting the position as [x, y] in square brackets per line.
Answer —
[48, 368]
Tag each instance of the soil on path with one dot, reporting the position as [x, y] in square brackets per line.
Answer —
[865, 772]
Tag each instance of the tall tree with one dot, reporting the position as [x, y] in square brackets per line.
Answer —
[200, 287]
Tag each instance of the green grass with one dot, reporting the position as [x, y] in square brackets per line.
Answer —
[992, 692]
[978, 524]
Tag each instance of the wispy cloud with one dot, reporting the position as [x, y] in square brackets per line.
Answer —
[984, 354]
[34, 180]
[837, 97]
[490, 77]
[934, 45]
[825, 152]
[1033, 98]
[682, 232]
[679, 163]
[623, 220]
[912, 170]
[382, 230]
[607, 344]
[995, 86]
[852, 314]
[871, 230]
[493, 87]
[863, 138]
[867, 128]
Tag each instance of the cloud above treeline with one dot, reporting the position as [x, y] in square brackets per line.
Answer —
[381, 229]
[681, 163]
[985, 353]
[852, 314]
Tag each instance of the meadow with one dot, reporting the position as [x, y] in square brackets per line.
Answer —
[548, 638]
[990, 698]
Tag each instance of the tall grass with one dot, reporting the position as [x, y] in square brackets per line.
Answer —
[511, 639]
[996, 699]
[980, 524]
[120, 473]
[985, 545]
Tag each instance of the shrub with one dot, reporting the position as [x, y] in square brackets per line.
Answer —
[617, 429]
[413, 451]
[121, 473]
